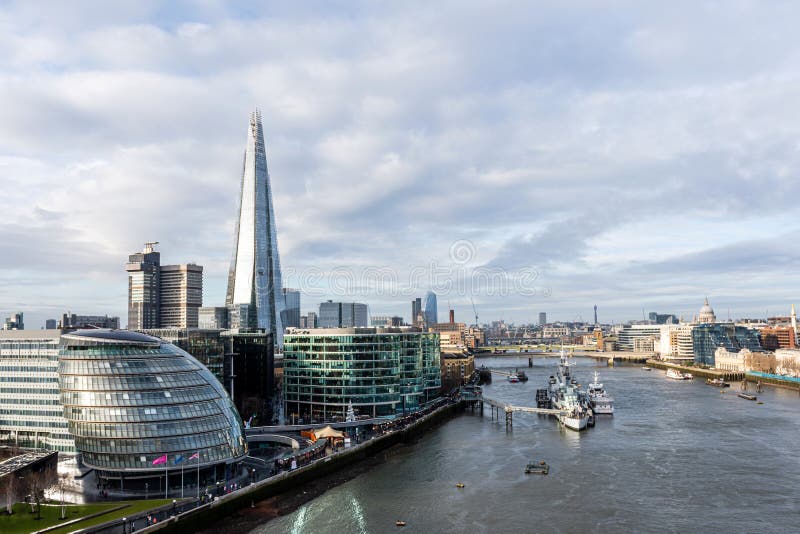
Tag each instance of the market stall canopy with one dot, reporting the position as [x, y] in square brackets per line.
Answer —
[328, 432]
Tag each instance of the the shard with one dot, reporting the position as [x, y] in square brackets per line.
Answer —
[254, 296]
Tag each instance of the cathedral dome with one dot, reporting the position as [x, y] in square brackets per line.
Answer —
[706, 314]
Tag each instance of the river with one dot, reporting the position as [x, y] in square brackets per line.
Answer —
[675, 457]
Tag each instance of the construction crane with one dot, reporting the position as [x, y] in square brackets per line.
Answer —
[474, 310]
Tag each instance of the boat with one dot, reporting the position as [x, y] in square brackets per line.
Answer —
[537, 468]
[566, 396]
[600, 400]
[677, 375]
[645, 368]
[748, 397]
[717, 382]
[459, 485]
[400, 523]
[522, 376]
[513, 378]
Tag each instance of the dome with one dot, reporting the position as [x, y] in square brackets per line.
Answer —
[706, 314]
[130, 398]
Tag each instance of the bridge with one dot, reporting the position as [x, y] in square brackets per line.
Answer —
[473, 398]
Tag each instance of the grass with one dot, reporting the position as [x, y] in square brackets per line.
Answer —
[23, 521]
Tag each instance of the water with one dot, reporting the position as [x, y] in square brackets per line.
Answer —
[675, 457]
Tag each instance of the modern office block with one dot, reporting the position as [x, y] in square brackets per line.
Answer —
[71, 321]
[144, 275]
[254, 279]
[379, 371]
[212, 317]
[30, 407]
[342, 315]
[431, 313]
[291, 300]
[181, 295]
[15, 322]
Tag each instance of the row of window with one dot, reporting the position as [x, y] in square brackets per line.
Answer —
[156, 365]
[30, 391]
[141, 414]
[150, 430]
[138, 382]
[139, 398]
[32, 423]
[31, 402]
[157, 445]
[29, 379]
[130, 461]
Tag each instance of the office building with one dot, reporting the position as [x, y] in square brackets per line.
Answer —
[144, 274]
[542, 318]
[50, 324]
[431, 313]
[662, 318]
[254, 280]
[162, 296]
[71, 321]
[777, 337]
[130, 399]
[15, 322]
[342, 315]
[379, 371]
[212, 318]
[707, 338]
[312, 320]
[30, 407]
[291, 302]
[181, 295]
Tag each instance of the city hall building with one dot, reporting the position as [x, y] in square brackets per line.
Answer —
[121, 400]
[379, 371]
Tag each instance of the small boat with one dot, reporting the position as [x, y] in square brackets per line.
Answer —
[760, 402]
[400, 523]
[717, 382]
[645, 368]
[521, 376]
[538, 468]
[513, 379]
[459, 485]
[748, 397]
[677, 375]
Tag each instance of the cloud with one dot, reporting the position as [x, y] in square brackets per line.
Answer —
[627, 154]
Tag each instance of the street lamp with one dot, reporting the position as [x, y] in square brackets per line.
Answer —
[124, 525]
[146, 488]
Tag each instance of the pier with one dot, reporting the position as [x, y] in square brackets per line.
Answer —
[478, 400]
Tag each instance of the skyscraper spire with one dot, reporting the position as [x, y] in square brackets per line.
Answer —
[254, 295]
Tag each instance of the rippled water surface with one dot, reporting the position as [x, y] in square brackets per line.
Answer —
[676, 457]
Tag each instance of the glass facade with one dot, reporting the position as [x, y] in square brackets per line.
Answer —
[30, 408]
[254, 279]
[707, 338]
[382, 372]
[130, 398]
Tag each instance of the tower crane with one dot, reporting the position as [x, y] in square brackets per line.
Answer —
[475, 311]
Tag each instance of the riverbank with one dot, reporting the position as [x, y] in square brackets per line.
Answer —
[697, 371]
[284, 492]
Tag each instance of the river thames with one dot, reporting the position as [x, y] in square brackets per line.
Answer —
[675, 457]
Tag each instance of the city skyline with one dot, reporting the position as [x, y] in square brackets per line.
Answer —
[643, 162]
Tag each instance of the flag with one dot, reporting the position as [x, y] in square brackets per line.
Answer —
[160, 460]
[178, 459]
[195, 455]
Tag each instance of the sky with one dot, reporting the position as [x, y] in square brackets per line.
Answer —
[521, 156]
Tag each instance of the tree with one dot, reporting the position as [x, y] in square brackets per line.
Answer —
[12, 492]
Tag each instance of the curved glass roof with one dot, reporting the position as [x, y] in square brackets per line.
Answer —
[114, 336]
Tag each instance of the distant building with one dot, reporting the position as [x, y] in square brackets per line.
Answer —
[386, 320]
[181, 295]
[542, 318]
[777, 337]
[144, 276]
[787, 362]
[71, 321]
[707, 338]
[706, 314]
[291, 313]
[312, 320]
[662, 318]
[212, 317]
[15, 322]
[379, 371]
[457, 367]
[416, 312]
[431, 312]
[50, 324]
[342, 315]
[162, 296]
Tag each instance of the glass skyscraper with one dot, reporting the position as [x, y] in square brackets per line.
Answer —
[254, 281]
[431, 313]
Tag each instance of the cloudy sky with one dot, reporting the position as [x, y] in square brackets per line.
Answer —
[531, 156]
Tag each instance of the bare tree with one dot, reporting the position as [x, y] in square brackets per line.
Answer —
[38, 482]
[12, 490]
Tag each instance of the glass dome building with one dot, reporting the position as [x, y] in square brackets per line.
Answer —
[131, 400]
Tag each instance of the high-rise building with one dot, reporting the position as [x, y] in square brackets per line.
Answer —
[144, 274]
[181, 295]
[15, 322]
[50, 324]
[416, 311]
[254, 279]
[542, 318]
[431, 313]
[386, 320]
[342, 314]
[291, 300]
[312, 320]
